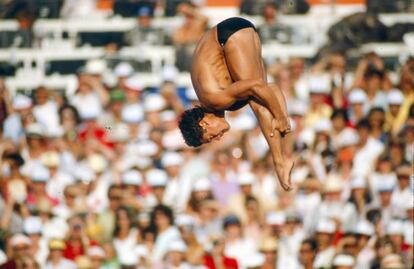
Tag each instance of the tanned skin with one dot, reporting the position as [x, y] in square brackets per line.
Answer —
[223, 75]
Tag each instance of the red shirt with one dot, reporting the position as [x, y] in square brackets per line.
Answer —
[228, 263]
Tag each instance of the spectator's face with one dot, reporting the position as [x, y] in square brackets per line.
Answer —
[114, 196]
[394, 109]
[384, 166]
[41, 96]
[123, 219]
[337, 63]
[363, 135]
[306, 254]
[358, 109]
[385, 198]
[351, 246]
[269, 12]
[97, 262]
[144, 21]
[161, 220]
[21, 250]
[403, 181]
[323, 239]
[56, 254]
[338, 123]
[376, 119]
[316, 99]
[373, 83]
[246, 189]
[270, 257]
[175, 257]
[233, 231]
[333, 196]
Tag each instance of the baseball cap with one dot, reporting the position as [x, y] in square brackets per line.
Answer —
[132, 177]
[357, 96]
[156, 178]
[395, 97]
[21, 101]
[231, 220]
[171, 159]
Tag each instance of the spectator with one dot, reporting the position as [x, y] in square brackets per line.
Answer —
[56, 259]
[307, 253]
[186, 36]
[272, 29]
[144, 33]
[218, 258]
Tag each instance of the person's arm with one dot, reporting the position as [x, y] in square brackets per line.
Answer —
[251, 88]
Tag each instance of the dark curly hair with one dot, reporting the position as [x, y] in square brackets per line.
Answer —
[190, 128]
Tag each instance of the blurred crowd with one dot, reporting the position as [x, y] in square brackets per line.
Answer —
[102, 179]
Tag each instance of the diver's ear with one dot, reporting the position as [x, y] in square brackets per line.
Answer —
[203, 122]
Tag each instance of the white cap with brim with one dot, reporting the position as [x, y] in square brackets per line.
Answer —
[357, 96]
[35, 129]
[171, 159]
[167, 116]
[154, 102]
[170, 73]
[156, 177]
[145, 148]
[365, 228]
[395, 97]
[123, 69]
[323, 126]
[348, 138]
[95, 67]
[132, 177]
[343, 260]
[132, 114]
[319, 84]
[134, 83]
[275, 218]
[96, 251]
[184, 220]
[385, 185]
[50, 159]
[119, 134]
[246, 178]
[326, 226]
[395, 227]
[177, 246]
[84, 174]
[20, 239]
[253, 260]
[91, 113]
[32, 225]
[202, 184]
[40, 173]
[21, 102]
[358, 183]
[97, 163]
[333, 184]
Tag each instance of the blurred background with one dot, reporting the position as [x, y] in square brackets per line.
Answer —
[95, 174]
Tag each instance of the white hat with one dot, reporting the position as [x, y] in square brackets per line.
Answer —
[171, 159]
[348, 138]
[123, 69]
[333, 184]
[146, 148]
[323, 125]
[40, 173]
[132, 113]
[253, 260]
[184, 220]
[136, 161]
[168, 115]
[156, 177]
[385, 185]
[84, 174]
[20, 239]
[134, 83]
[177, 246]
[392, 261]
[246, 178]
[395, 97]
[95, 67]
[132, 177]
[170, 73]
[358, 183]
[35, 129]
[357, 96]
[202, 184]
[319, 84]
[21, 101]
[96, 251]
[154, 102]
[32, 225]
[343, 260]
[275, 218]
[92, 112]
[395, 227]
[120, 133]
[365, 228]
[191, 94]
[297, 108]
[50, 159]
[326, 226]
[97, 163]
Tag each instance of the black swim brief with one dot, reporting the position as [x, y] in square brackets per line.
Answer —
[229, 26]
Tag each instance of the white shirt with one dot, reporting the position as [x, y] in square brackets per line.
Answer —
[163, 241]
[57, 183]
[87, 104]
[125, 247]
[399, 198]
[366, 157]
[324, 258]
[63, 264]
[47, 115]
[239, 250]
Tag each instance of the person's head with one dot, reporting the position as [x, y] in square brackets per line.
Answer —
[69, 117]
[232, 227]
[364, 129]
[97, 256]
[144, 17]
[56, 247]
[269, 12]
[339, 119]
[76, 227]
[307, 251]
[373, 78]
[198, 126]
[27, 262]
[162, 217]
[403, 176]
[114, 197]
[376, 117]
[268, 248]
[123, 218]
[20, 245]
[41, 95]
[176, 252]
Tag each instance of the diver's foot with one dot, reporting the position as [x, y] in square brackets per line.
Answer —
[284, 175]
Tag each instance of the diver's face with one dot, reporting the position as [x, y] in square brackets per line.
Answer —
[214, 126]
